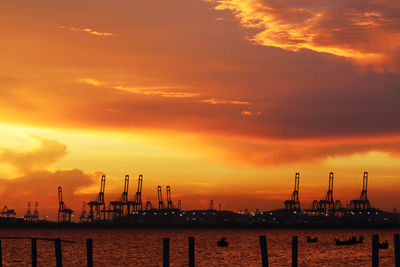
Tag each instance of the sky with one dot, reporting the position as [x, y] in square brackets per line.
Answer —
[220, 99]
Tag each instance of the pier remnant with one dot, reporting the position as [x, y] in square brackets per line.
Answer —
[191, 251]
[295, 251]
[57, 246]
[89, 252]
[375, 250]
[264, 252]
[396, 250]
[166, 252]
[34, 252]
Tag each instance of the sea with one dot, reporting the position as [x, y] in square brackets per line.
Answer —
[144, 247]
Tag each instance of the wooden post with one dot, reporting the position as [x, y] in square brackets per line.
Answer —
[294, 251]
[89, 252]
[1, 256]
[57, 246]
[264, 252]
[34, 252]
[396, 250]
[375, 250]
[191, 251]
[166, 252]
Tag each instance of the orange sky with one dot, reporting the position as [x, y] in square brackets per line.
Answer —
[222, 100]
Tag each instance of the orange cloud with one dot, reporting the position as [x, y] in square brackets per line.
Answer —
[363, 30]
[160, 91]
[47, 153]
[89, 31]
[223, 101]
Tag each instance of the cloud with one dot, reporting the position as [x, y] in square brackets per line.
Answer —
[363, 30]
[275, 152]
[41, 186]
[89, 31]
[247, 113]
[47, 153]
[159, 91]
[37, 184]
[215, 101]
[91, 81]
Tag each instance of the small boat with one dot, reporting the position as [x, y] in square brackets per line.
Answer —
[351, 241]
[312, 240]
[383, 245]
[222, 242]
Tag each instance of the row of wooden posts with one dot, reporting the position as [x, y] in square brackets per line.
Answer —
[191, 261]
[264, 251]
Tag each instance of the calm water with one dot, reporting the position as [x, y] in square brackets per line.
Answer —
[144, 247]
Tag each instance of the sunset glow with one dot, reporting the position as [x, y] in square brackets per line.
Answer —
[220, 99]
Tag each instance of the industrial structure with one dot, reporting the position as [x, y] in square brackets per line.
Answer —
[161, 205]
[170, 205]
[64, 213]
[7, 213]
[98, 206]
[29, 216]
[293, 203]
[133, 212]
[84, 216]
[136, 205]
[120, 207]
[362, 203]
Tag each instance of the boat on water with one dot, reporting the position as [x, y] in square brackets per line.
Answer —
[222, 242]
[312, 240]
[383, 245]
[351, 241]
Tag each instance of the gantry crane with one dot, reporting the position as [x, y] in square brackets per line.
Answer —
[35, 215]
[327, 205]
[362, 203]
[293, 203]
[136, 204]
[161, 205]
[120, 207]
[28, 214]
[98, 206]
[84, 216]
[149, 206]
[170, 205]
[64, 213]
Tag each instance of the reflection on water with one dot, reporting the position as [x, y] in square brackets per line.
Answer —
[144, 247]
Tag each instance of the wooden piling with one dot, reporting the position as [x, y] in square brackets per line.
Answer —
[166, 252]
[89, 252]
[264, 252]
[375, 250]
[1, 256]
[34, 252]
[57, 246]
[191, 251]
[295, 241]
[396, 250]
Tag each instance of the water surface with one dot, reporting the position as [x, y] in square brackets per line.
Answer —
[144, 247]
